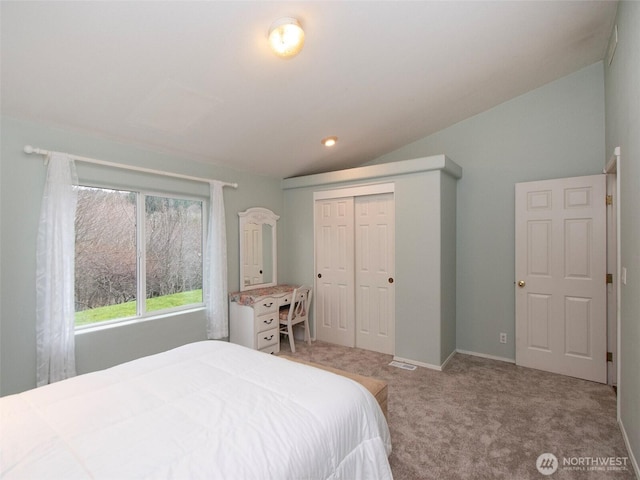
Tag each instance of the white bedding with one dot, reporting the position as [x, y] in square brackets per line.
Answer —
[210, 410]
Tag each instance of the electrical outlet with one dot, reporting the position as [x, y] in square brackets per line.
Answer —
[503, 338]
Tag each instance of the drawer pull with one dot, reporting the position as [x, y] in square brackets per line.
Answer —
[268, 338]
[267, 305]
[268, 322]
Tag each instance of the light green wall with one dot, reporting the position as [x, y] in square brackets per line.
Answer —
[554, 131]
[20, 195]
[622, 95]
[448, 218]
[418, 285]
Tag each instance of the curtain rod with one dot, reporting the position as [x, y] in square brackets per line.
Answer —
[29, 149]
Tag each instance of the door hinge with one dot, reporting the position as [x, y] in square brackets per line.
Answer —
[609, 200]
[609, 356]
[609, 278]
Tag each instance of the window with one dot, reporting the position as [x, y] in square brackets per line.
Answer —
[136, 254]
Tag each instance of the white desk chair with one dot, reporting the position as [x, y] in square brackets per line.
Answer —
[297, 312]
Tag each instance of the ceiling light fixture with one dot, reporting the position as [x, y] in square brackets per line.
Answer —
[286, 37]
[329, 141]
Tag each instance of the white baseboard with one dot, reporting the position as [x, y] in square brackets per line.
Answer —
[426, 365]
[484, 355]
[444, 364]
[634, 462]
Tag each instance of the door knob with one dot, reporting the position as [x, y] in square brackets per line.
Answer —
[521, 283]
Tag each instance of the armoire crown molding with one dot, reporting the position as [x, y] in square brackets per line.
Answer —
[416, 165]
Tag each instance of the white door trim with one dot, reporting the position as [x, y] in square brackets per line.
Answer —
[613, 166]
[355, 191]
[351, 191]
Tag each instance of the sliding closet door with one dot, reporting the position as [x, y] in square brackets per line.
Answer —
[375, 272]
[334, 295]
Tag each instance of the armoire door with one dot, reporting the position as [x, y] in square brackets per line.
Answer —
[355, 271]
[252, 255]
[334, 295]
[375, 272]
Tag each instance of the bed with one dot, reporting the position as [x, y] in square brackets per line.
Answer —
[209, 409]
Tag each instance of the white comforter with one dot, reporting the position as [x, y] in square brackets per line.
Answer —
[210, 410]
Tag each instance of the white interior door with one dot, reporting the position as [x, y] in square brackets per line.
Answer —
[334, 296]
[561, 276]
[375, 272]
[252, 255]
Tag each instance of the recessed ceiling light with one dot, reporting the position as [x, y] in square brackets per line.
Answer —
[286, 37]
[329, 141]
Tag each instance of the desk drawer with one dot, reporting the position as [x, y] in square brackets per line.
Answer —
[265, 305]
[286, 300]
[267, 338]
[266, 322]
[271, 349]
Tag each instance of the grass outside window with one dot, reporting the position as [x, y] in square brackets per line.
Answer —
[128, 309]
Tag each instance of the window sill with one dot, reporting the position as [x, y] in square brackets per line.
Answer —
[132, 321]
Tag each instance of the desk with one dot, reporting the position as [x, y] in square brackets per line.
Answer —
[253, 317]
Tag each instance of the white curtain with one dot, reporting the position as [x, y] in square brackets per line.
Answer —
[215, 290]
[55, 308]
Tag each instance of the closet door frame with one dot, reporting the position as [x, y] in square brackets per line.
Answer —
[348, 191]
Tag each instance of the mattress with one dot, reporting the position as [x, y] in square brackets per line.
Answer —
[210, 410]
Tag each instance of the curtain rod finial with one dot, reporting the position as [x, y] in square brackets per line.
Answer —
[28, 149]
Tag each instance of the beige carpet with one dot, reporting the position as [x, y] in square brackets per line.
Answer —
[486, 419]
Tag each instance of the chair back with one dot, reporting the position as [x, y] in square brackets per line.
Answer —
[297, 312]
[300, 303]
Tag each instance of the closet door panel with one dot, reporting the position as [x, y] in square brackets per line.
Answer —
[375, 272]
[334, 295]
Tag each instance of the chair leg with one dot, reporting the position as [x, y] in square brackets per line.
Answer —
[291, 341]
[307, 333]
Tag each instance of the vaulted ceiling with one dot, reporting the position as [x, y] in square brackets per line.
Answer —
[198, 78]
